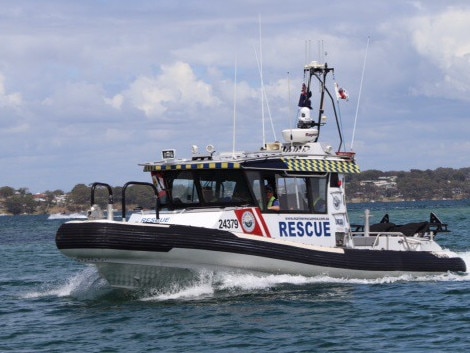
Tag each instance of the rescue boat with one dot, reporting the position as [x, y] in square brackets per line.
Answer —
[281, 209]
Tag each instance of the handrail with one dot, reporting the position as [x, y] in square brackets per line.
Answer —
[371, 234]
[110, 192]
[138, 183]
[410, 243]
[110, 215]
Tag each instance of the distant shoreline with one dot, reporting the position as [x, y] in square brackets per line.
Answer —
[65, 212]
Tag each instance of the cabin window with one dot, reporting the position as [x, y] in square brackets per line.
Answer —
[292, 193]
[183, 189]
[224, 187]
[295, 192]
[211, 187]
[318, 189]
[256, 187]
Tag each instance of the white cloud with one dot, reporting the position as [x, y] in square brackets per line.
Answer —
[115, 102]
[443, 40]
[177, 85]
[76, 100]
[8, 99]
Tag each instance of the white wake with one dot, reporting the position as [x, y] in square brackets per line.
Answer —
[87, 284]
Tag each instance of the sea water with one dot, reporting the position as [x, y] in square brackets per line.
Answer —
[50, 303]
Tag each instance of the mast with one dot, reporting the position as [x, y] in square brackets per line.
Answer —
[321, 108]
[319, 71]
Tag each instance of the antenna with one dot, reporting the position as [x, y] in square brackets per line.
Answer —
[321, 51]
[308, 54]
[260, 67]
[360, 92]
[264, 98]
[305, 63]
[234, 110]
[288, 105]
[309, 51]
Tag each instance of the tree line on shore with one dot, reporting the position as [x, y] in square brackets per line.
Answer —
[78, 200]
[371, 185]
[419, 185]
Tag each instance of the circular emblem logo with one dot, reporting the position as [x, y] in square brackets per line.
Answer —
[336, 202]
[248, 222]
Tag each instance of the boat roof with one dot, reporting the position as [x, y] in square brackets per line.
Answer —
[290, 162]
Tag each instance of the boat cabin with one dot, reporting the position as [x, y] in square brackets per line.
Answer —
[204, 185]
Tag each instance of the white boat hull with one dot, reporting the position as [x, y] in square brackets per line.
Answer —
[124, 269]
[130, 255]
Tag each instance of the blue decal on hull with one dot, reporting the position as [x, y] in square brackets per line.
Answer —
[300, 229]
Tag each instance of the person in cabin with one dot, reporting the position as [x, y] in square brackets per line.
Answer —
[208, 194]
[319, 205]
[273, 202]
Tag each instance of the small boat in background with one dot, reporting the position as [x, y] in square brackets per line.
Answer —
[67, 216]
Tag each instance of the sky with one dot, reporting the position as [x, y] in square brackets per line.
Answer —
[90, 89]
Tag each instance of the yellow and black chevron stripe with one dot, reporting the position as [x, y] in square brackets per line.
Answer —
[320, 165]
[190, 166]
